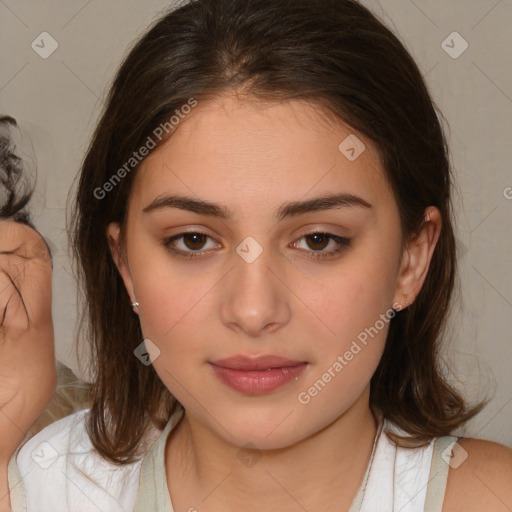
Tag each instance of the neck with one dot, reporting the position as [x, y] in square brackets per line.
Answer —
[206, 472]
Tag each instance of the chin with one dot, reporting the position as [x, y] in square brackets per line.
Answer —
[269, 432]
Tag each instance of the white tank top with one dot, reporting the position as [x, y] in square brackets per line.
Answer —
[57, 470]
[404, 479]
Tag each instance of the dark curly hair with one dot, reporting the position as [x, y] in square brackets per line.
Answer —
[15, 191]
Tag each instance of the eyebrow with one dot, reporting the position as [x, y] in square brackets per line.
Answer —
[292, 209]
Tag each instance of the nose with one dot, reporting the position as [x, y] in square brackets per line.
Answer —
[256, 298]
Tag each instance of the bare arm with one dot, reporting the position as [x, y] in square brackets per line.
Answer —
[483, 482]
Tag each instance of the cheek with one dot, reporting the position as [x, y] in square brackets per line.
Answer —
[348, 299]
[165, 292]
[354, 316]
[169, 317]
[169, 303]
[176, 308]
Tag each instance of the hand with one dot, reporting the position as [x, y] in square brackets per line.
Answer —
[27, 358]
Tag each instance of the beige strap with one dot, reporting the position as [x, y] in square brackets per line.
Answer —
[439, 473]
[153, 492]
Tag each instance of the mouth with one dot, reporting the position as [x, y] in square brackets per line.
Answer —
[247, 363]
[257, 375]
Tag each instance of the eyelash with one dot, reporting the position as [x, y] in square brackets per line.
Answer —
[343, 243]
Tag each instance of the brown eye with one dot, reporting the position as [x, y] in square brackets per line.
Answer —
[187, 245]
[316, 243]
[194, 241]
[319, 241]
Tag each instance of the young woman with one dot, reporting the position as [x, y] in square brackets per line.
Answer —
[265, 244]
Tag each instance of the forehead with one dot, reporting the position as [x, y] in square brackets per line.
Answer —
[249, 154]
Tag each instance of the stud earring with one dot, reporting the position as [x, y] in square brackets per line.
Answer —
[135, 304]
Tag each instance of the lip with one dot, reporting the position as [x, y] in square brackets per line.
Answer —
[264, 362]
[259, 375]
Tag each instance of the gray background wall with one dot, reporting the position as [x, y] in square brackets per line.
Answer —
[57, 100]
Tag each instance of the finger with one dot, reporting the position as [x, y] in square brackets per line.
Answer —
[29, 265]
[36, 289]
[32, 281]
[22, 240]
[13, 313]
[13, 234]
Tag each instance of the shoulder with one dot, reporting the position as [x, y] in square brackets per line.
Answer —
[59, 466]
[58, 437]
[480, 477]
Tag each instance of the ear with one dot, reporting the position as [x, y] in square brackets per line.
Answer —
[416, 259]
[112, 232]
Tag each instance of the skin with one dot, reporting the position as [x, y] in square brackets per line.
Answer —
[27, 372]
[253, 157]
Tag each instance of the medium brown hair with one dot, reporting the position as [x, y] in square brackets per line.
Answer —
[335, 54]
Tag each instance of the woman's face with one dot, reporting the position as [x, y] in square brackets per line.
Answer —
[253, 286]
